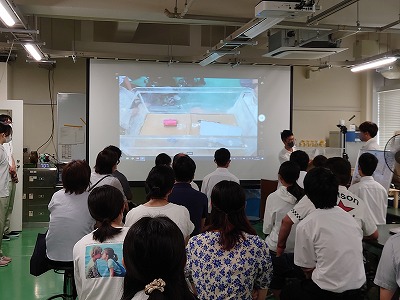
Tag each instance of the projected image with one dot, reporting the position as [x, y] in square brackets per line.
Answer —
[194, 115]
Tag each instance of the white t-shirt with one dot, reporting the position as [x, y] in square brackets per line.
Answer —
[357, 208]
[301, 210]
[330, 241]
[177, 213]
[4, 173]
[110, 180]
[277, 206]
[213, 178]
[70, 220]
[371, 144]
[88, 285]
[8, 147]
[375, 197]
[284, 155]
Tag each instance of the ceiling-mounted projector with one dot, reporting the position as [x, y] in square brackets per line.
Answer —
[284, 9]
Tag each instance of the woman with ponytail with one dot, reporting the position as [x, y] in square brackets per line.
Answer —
[155, 258]
[98, 267]
[278, 204]
[159, 184]
[228, 260]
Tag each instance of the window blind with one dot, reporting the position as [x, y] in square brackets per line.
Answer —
[388, 115]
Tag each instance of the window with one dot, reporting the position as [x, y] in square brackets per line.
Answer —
[388, 115]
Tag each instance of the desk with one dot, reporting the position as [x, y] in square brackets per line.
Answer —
[393, 215]
[376, 246]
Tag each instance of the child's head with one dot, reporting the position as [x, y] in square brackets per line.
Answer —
[319, 161]
[289, 171]
[160, 182]
[108, 253]
[301, 158]
[368, 130]
[5, 132]
[184, 168]
[163, 159]
[222, 157]
[106, 161]
[341, 168]
[76, 177]
[367, 163]
[321, 187]
[95, 252]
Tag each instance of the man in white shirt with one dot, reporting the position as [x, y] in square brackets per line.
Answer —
[288, 141]
[368, 132]
[222, 157]
[328, 245]
[374, 194]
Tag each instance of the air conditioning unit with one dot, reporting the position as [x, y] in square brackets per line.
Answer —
[284, 44]
[284, 9]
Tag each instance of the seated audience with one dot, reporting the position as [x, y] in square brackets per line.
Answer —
[70, 219]
[117, 174]
[106, 164]
[388, 275]
[318, 161]
[154, 257]
[192, 183]
[368, 132]
[372, 192]
[183, 194]
[302, 159]
[159, 183]
[101, 248]
[277, 206]
[222, 157]
[289, 147]
[328, 246]
[228, 260]
[163, 159]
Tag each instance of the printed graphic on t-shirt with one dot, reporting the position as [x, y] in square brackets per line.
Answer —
[104, 260]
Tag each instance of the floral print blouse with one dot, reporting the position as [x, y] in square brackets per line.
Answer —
[233, 274]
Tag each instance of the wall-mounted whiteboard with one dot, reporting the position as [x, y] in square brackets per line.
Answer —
[71, 116]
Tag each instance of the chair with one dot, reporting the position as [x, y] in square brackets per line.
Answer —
[67, 269]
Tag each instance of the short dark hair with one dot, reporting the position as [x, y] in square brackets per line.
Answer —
[369, 127]
[160, 181]
[319, 160]
[367, 163]
[105, 204]
[155, 248]
[290, 172]
[341, 168]
[5, 128]
[301, 158]
[321, 187]
[228, 213]
[285, 134]
[5, 118]
[105, 161]
[163, 159]
[222, 156]
[184, 168]
[114, 149]
[76, 176]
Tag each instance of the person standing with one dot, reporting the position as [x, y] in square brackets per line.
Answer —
[368, 132]
[222, 157]
[287, 138]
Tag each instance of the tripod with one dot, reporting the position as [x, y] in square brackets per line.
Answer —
[343, 130]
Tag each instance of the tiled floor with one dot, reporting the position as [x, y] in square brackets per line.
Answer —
[16, 283]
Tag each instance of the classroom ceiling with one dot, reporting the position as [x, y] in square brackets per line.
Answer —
[152, 30]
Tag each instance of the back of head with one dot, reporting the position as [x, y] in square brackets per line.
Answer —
[184, 168]
[321, 187]
[5, 128]
[176, 156]
[114, 149]
[285, 134]
[154, 248]
[163, 159]
[341, 168]
[105, 205]
[319, 161]
[369, 127]
[290, 172]
[367, 163]
[228, 213]
[105, 161]
[301, 158]
[160, 181]
[76, 176]
[222, 157]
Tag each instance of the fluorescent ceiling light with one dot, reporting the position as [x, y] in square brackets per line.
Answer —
[374, 64]
[6, 14]
[209, 59]
[34, 51]
[262, 26]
